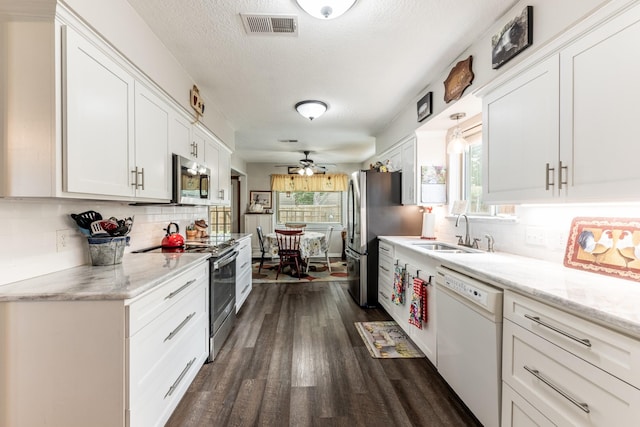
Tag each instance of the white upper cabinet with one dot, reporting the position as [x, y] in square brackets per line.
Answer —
[562, 128]
[181, 136]
[224, 176]
[152, 167]
[409, 196]
[599, 105]
[98, 121]
[520, 125]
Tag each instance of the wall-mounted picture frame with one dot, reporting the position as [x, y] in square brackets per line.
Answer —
[293, 170]
[425, 106]
[261, 198]
[513, 38]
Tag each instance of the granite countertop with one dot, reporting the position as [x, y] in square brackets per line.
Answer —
[137, 274]
[610, 301]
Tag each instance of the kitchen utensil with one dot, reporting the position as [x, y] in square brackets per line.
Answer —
[85, 219]
[173, 239]
[97, 230]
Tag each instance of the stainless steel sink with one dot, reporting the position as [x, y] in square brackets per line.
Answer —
[445, 248]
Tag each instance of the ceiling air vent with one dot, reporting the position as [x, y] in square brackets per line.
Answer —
[259, 24]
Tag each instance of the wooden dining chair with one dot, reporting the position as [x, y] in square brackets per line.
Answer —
[262, 246]
[289, 250]
[327, 237]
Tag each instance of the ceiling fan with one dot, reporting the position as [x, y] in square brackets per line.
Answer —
[306, 166]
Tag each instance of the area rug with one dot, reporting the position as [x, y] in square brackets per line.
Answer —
[318, 272]
[386, 340]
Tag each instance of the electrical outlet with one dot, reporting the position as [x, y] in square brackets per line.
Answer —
[63, 240]
[534, 236]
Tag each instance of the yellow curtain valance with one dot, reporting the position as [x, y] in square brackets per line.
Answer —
[317, 182]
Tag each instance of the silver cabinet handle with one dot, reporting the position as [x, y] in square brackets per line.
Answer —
[540, 322]
[385, 249]
[141, 173]
[385, 269]
[549, 183]
[562, 181]
[221, 194]
[175, 384]
[134, 182]
[180, 326]
[180, 289]
[245, 288]
[562, 393]
[243, 265]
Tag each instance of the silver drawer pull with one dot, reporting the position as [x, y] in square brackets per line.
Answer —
[563, 393]
[385, 249]
[180, 326]
[536, 319]
[180, 289]
[243, 265]
[385, 269]
[175, 384]
[245, 288]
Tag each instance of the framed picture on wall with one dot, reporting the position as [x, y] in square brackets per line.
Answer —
[425, 106]
[513, 38]
[261, 198]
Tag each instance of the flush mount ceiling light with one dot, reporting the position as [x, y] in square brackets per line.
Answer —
[325, 9]
[311, 109]
[457, 144]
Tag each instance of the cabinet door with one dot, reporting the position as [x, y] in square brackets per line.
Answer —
[180, 140]
[152, 146]
[520, 133]
[212, 159]
[98, 120]
[224, 176]
[409, 172]
[599, 96]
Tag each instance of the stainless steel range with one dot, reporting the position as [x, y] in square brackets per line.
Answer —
[222, 285]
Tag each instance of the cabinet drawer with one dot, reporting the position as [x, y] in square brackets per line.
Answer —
[243, 288]
[517, 412]
[170, 379]
[150, 305]
[565, 388]
[386, 249]
[609, 350]
[148, 347]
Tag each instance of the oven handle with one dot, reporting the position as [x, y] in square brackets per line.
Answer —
[221, 262]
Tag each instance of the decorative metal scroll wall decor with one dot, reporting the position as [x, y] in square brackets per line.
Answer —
[458, 80]
[513, 38]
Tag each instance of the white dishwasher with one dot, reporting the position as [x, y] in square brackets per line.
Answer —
[469, 342]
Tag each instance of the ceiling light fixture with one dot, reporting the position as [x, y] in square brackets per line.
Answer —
[305, 171]
[326, 9]
[457, 144]
[311, 109]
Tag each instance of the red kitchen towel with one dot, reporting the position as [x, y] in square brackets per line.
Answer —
[425, 301]
[416, 310]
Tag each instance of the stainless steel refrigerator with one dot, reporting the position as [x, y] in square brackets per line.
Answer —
[374, 209]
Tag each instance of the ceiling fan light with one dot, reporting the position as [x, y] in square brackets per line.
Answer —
[311, 109]
[301, 171]
[325, 9]
[308, 171]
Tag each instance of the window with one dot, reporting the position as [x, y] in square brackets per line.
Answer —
[309, 207]
[468, 167]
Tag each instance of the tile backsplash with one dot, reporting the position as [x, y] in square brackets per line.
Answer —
[30, 227]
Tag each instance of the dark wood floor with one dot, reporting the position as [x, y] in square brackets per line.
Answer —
[295, 358]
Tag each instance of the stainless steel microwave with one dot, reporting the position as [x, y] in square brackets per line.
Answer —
[190, 182]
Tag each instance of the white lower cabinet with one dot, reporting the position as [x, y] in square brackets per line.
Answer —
[251, 222]
[561, 365]
[243, 272]
[417, 265]
[103, 363]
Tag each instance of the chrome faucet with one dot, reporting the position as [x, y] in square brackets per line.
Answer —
[490, 242]
[467, 239]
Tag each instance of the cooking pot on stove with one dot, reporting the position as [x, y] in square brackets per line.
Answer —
[173, 239]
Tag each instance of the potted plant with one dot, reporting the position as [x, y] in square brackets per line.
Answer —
[192, 232]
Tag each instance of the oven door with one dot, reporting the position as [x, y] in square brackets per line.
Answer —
[223, 289]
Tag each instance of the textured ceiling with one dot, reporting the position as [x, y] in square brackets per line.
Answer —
[367, 65]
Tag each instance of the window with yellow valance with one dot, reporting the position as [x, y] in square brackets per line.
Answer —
[317, 182]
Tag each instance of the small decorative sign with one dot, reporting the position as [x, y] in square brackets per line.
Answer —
[458, 80]
[425, 106]
[513, 38]
[196, 102]
[609, 246]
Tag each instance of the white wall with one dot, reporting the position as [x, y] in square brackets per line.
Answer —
[29, 229]
[550, 17]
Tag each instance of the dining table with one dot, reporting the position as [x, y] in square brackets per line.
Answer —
[312, 244]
